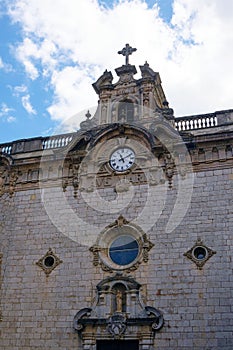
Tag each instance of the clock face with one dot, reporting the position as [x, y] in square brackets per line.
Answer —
[122, 159]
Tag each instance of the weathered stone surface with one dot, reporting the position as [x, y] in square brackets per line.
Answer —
[60, 201]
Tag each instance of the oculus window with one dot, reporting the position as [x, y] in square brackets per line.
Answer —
[122, 245]
[124, 250]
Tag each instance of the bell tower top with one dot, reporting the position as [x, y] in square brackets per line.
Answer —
[131, 100]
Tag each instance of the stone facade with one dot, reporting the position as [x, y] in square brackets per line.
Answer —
[62, 206]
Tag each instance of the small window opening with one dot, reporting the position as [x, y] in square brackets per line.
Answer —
[200, 253]
[126, 111]
[49, 261]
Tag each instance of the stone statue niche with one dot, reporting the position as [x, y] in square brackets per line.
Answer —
[118, 313]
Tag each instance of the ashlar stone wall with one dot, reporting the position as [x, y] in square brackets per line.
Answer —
[38, 308]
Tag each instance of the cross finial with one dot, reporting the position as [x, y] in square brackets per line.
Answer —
[126, 51]
[88, 115]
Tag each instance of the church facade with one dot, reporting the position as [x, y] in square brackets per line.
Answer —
[119, 235]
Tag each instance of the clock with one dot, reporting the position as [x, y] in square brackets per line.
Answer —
[122, 159]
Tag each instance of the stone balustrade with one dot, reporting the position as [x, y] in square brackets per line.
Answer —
[6, 148]
[56, 141]
[191, 123]
[203, 121]
[36, 144]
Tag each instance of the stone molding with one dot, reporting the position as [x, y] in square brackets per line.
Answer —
[53, 262]
[208, 253]
[118, 313]
[61, 167]
[100, 249]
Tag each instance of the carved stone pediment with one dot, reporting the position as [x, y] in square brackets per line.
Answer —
[118, 312]
[104, 81]
[159, 154]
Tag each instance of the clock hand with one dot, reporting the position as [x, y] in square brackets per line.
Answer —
[121, 158]
[128, 155]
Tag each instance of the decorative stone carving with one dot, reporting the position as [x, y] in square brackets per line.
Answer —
[119, 227]
[158, 322]
[169, 167]
[119, 310]
[88, 123]
[49, 262]
[146, 94]
[117, 325]
[103, 82]
[8, 177]
[147, 246]
[65, 182]
[82, 314]
[3, 176]
[13, 176]
[199, 253]
[127, 51]
[75, 180]
[120, 221]
[122, 186]
[95, 250]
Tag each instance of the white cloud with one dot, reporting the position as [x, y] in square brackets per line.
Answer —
[5, 66]
[5, 113]
[73, 42]
[20, 89]
[67, 83]
[11, 119]
[27, 104]
[31, 52]
[5, 109]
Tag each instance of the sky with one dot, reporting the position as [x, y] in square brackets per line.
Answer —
[52, 51]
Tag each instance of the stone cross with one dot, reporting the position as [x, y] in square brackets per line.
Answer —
[126, 51]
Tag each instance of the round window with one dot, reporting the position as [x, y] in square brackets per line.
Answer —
[49, 261]
[200, 253]
[124, 250]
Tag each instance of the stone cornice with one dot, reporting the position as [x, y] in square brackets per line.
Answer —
[57, 163]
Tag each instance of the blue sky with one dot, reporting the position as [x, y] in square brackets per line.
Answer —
[50, 56]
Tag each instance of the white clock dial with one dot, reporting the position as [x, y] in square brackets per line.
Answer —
[122, 159]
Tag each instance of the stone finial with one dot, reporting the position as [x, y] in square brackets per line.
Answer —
[88, 115]
[88, 123]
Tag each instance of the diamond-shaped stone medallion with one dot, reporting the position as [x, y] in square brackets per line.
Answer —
[48, 262]
[199, 253]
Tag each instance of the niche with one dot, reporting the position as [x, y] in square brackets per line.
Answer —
[126, 111]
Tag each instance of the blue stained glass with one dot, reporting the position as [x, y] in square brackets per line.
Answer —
[124, 250]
